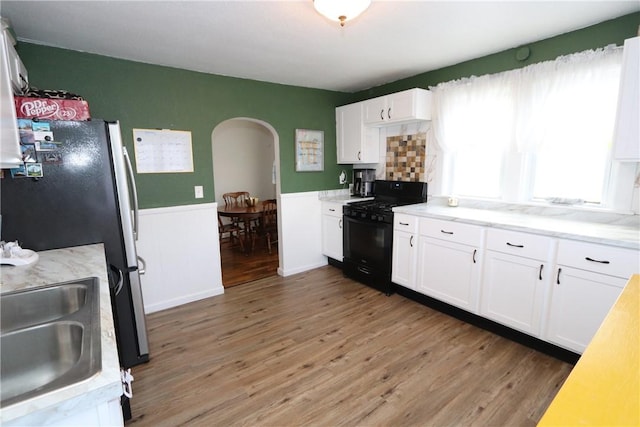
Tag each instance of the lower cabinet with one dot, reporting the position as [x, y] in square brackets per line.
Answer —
[449, 264]
[579, 303]
[587, 281]
[405, 250]
[515, 279]
[554, 289]
[332, 230]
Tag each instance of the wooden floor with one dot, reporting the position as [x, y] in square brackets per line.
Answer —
[239, 267]
[319, 349]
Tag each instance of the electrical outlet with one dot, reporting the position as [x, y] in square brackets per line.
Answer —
[199, 191]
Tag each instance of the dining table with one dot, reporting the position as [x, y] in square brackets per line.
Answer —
[244, 214]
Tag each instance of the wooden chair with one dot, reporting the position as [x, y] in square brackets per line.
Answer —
[237, 198]
[234, 230]
[269, 222]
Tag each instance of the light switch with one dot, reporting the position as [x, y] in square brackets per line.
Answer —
[199, 191]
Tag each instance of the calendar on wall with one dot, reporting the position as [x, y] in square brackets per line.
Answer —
[163, 151]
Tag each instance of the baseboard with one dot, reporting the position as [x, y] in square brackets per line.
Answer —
[290, 272]
[491, 326]
[184, 299]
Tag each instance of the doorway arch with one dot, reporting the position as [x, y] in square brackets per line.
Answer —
[241, 146]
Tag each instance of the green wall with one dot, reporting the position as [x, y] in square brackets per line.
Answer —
[614, 31]
[148, 96]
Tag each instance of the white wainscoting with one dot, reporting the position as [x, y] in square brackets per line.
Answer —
[181, 247]
[182, 254]
[301, 236]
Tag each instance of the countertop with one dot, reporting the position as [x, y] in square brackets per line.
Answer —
[604, 387]
[620, 235]
[63, 265]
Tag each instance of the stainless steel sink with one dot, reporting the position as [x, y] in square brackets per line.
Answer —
[49, 338]
[33, 306]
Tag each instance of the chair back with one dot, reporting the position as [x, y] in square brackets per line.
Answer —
[237, 198]
[270, 214]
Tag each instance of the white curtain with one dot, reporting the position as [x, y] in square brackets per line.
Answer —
[471, 113]
[571, 100]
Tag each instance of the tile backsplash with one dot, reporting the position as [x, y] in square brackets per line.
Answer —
[405, 158]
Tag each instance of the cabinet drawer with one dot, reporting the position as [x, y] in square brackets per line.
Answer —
[452, 231]
[403, 222]
[519, 244]
[332, 208]
[603, 259]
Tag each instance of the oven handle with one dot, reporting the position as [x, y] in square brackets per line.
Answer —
[366, 221]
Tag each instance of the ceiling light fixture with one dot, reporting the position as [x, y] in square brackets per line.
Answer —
[341, 10]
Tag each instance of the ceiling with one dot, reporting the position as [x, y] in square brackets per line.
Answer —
[288, 42]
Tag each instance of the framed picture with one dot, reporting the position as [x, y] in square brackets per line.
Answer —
[309, 150]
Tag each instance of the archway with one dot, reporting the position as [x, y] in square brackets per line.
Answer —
[245, 157]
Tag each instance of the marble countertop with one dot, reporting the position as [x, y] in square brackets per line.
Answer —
[344, 199]
[61, 265]
[625, 236]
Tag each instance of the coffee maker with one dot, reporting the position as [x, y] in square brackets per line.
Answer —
[363, 182]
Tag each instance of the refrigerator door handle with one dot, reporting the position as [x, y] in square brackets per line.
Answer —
[142, 265]
[132, 182]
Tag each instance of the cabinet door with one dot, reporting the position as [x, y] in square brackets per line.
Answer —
[627, 130]
[405, 257]
[449, 272]
[513, 291]
[580, 300]
[349, 132]
[332, 236]
[401, 106]
[375, 110]
[10, 154]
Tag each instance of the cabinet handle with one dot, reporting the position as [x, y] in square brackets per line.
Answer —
[340, 223]
[595, 260]
[389, 113]
[331, 210]
[382, 114]
[411, 241]
[359, 155]
[540, 275]
[558, 277]
[515, 246]
[403, 223]
[446, 232]
[474, 255]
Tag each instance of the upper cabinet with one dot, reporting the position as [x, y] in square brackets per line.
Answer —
[627, 129]
[356, 143]
[10, 153]
[405, 106]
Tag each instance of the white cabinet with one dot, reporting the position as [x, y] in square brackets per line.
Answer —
[10, 154]
[332, 230]
[587, 281]
[450, 260]
[405, 250]
[408, 105]
[355, 142]
[627, 129]
[515, 279]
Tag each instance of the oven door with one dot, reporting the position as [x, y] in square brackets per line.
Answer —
[367, 247]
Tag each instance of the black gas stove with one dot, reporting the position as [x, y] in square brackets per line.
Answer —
[368, 231]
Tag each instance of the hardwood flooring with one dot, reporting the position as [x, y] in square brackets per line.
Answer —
[320, 349]
[239, 267]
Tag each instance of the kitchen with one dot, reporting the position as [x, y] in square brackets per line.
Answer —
[134, 93]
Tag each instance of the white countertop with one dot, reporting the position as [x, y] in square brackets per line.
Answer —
[625, 236]
[63, 265]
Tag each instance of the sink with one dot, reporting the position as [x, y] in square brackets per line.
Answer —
[23, 308]
[49, 338]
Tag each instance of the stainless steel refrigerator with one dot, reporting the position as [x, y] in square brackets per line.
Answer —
[86, 195]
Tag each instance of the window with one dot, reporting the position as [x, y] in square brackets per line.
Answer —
[543, 132]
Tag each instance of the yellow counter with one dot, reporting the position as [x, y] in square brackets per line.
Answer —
[604, 387]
